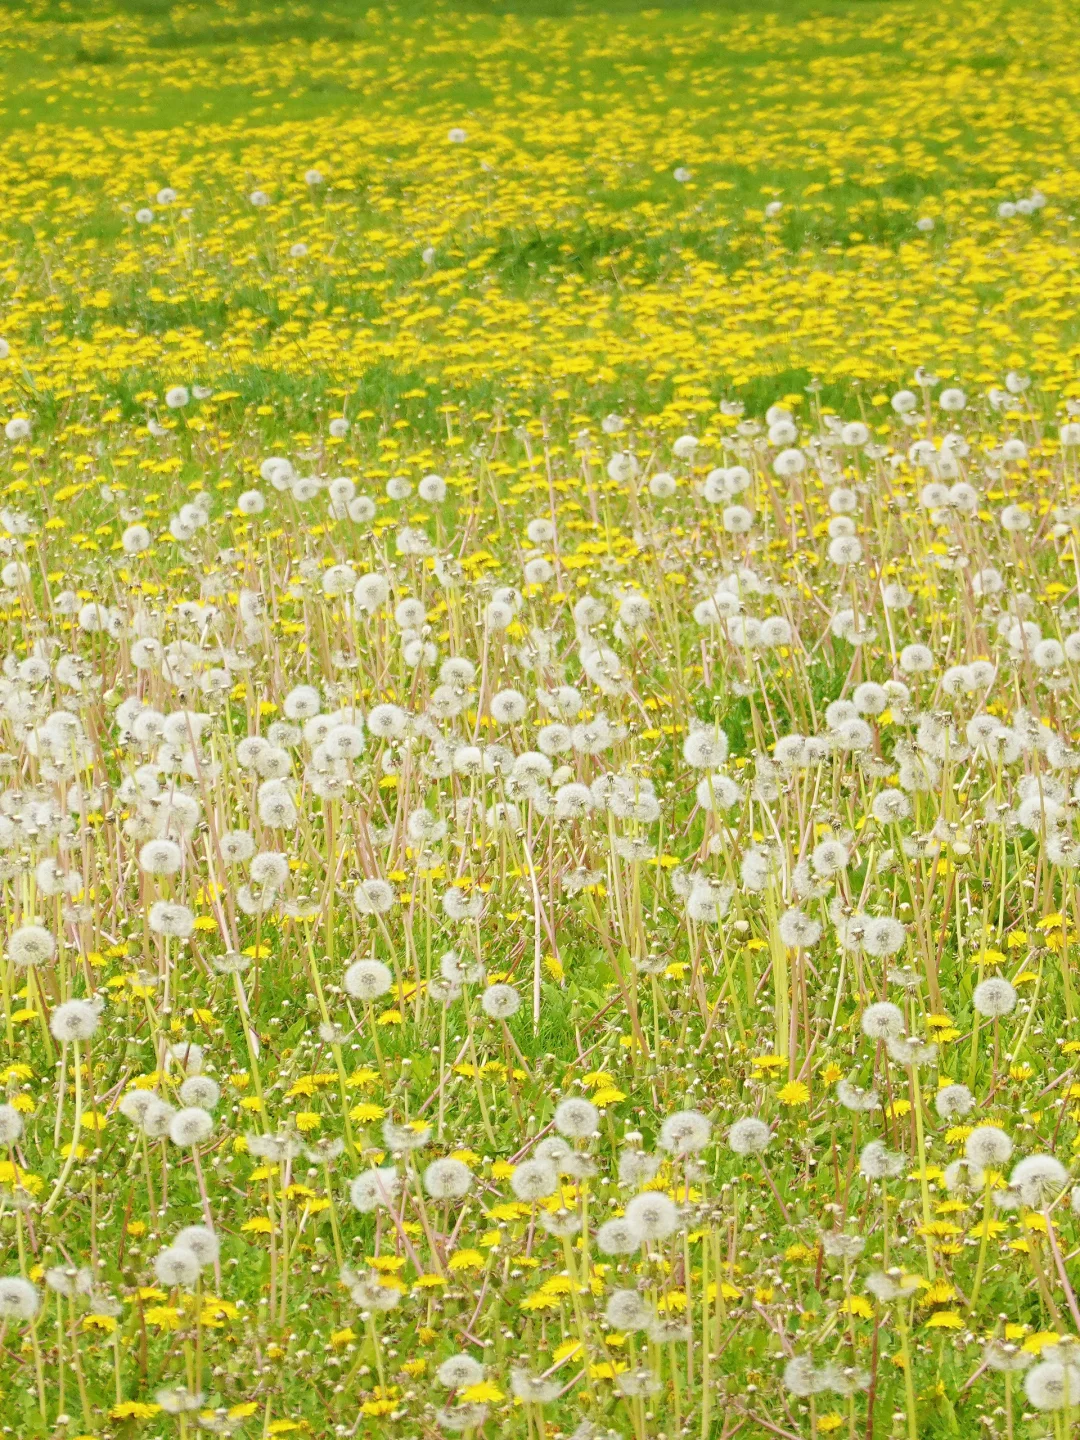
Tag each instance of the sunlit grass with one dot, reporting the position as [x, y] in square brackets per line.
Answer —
[537, 822]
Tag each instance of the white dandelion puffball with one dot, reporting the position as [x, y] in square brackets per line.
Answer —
[201, 1241]
[448, 1179]
[618, 1237]
[368, 979]
[11, 1124]
[30, 945]
[500, 1001]
[653, 1215]
[749, 1136]
[533, 1180]
[375, 1188]
[73, 1021]
[988, 1145]
[576, 1118]
[883, 1020]
[994, 997]
[191, 1126]
[685, 1132]
[19, 1299]
[1051, 1385]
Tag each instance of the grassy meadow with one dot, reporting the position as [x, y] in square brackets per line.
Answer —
[539, 700]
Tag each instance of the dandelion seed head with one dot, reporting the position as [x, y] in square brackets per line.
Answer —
[447, 1180]
[953, 1100]
[576, 1118]
[74, 1021]
[19, 1299]
[749, 1136]
[994, 997]
[30, 945]
[533, 1180]
[374, 1188]
[988, 1146]
[1050, 1385]
[877, 1162]
[178, 1265]
[191, 1126]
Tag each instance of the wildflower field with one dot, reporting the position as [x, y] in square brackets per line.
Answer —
[539, 720]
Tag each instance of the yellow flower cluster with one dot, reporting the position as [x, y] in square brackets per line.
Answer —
[539, 719]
